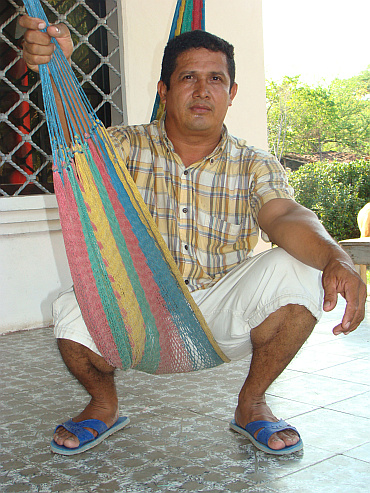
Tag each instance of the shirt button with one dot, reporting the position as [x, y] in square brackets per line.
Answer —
[212, 160]
[186, 281]
[186, 247]
[184, 210]
[186, 172]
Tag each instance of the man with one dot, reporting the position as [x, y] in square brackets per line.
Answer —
[209, 194]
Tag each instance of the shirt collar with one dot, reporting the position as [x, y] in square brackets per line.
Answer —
[164, 138]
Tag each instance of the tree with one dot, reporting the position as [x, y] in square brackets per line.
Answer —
[279, 113]
[352, 100]
[308, 119]
[313, 120]
[335, 192]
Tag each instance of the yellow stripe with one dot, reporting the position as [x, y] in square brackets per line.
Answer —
[180, 18]
[120, 281]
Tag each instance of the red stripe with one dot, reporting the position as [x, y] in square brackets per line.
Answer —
[82, 275]
[197, 14]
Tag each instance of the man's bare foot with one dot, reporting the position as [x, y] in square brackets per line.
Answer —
[246, 413]
[106, 413]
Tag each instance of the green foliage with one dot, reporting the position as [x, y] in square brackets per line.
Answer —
[335, 192]
[308, 120]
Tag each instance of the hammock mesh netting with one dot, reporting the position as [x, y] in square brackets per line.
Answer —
[133, 299]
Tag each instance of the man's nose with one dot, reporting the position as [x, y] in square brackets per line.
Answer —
[201, 88]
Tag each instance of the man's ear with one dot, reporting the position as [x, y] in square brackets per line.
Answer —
[233, 91]
[162, 91]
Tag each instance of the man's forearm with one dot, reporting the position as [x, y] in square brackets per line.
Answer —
[301, 234]
[77, 114]
[61, 113]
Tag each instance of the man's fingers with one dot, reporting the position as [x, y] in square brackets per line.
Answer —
[31, 22]
[354, 313]
[37, 41]
[37, 46]
[37, 49]
[341, 278]
[58, 31]
[330, 295]
[35, 24]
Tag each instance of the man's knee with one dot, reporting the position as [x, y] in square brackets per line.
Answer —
[292, 320]
[76, 354]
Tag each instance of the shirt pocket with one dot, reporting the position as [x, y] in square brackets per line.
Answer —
[216, 241]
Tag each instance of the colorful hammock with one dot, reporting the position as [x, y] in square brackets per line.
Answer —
[132, 297]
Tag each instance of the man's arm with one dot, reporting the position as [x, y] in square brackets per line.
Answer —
[298, 230]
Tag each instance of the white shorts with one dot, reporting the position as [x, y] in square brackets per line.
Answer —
[240, 301]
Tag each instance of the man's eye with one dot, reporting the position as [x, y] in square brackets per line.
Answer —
[188, 77]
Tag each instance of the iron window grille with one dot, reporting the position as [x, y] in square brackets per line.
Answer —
[25, 155]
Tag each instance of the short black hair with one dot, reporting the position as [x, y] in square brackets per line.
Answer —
[193, 40]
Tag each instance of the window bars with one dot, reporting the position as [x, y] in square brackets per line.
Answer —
[25, 155]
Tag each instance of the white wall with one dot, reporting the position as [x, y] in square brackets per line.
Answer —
[33, 264]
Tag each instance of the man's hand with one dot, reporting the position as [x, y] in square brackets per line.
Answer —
[37, 46]
[300, 233]
[340, 277]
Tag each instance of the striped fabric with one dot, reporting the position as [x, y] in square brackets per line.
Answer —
[132, 297]
[207, 213]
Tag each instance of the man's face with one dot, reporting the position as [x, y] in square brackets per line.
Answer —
[199, 93]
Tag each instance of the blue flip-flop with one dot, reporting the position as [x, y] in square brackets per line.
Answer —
[86, 438]
[267, 428]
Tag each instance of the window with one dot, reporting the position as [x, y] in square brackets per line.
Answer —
[25, 160]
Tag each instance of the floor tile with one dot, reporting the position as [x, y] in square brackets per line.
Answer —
[361, 453]
[310, 360]
[179, 438]
[357, 406]
[316, 390]
[356, 371]
[338, 474]
[331, 430]
[284, 408]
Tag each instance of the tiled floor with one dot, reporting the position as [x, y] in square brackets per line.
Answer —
[179, 439]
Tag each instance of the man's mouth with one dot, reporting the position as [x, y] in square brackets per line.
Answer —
[200, 108]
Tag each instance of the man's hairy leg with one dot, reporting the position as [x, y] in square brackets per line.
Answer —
[97, 376]
[275, 343]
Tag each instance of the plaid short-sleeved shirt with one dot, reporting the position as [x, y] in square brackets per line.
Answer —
[207, 213]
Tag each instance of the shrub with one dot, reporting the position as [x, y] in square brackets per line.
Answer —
[335, 192]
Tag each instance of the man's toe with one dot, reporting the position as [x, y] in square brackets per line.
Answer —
[276, 443]
[71, 442]
[290, 437]
[64, 437]
[283, 439]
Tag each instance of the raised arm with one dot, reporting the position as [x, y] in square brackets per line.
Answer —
[300, 233]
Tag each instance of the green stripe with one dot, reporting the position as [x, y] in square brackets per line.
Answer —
[188, 17]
